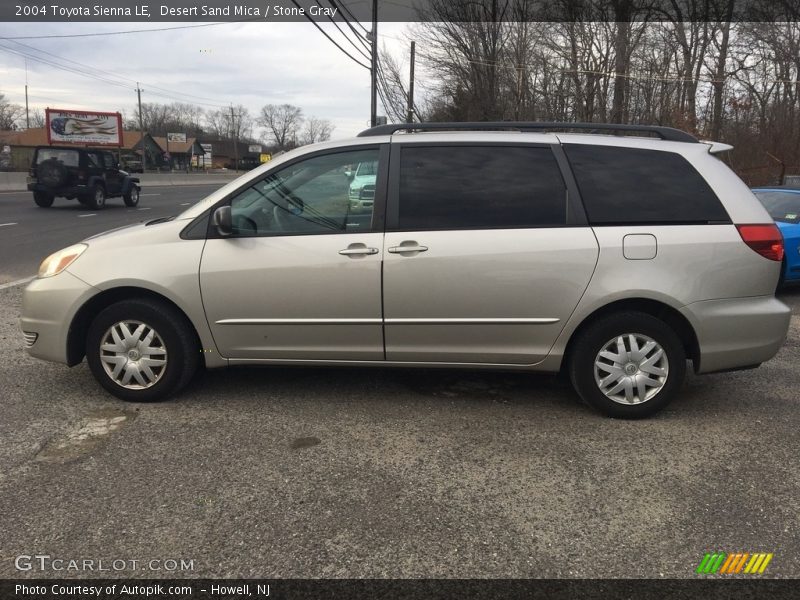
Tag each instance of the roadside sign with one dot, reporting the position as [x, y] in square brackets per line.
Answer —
[82, 127]
[254, 148]
[265, 158]
[176, 137]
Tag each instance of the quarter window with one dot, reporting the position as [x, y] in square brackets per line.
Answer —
[636, 186]
[317, 195]
[480, 187]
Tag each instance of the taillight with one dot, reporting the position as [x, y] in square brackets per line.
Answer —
[764, 239]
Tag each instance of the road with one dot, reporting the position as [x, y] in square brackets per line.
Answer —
[28, 233]
[300, 472]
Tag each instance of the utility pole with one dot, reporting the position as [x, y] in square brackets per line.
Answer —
[27, 114]
[373, 116]
[235, 141]
[141, 128]
[410, 117]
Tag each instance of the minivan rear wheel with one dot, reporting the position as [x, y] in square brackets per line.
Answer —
[628, 365]
[142, 350]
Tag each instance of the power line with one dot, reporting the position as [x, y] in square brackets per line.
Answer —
[64, 67]
[358, 35]
[344, 35]
[308, 17]
[116, 76]
[346, 10]
[79, 35]
[117, 80]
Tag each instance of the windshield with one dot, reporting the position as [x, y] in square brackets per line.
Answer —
[68, 157]
[781, 206]
[366, 168]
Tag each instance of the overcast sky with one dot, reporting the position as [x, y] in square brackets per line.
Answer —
[241, 63]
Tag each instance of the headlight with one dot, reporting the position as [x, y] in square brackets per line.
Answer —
[58, 261]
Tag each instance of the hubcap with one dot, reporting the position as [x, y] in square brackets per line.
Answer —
[133, 355]
[631, 368]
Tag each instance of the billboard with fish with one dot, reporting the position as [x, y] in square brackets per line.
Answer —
[82, 127]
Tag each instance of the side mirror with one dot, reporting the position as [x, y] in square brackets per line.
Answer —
[221, 219]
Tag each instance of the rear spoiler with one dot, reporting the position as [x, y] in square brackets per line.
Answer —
[717, 147]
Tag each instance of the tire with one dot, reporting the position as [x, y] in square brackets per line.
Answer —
[664, 365]
[132, 196]
[126, 350]
[43, 199]
[97, 198]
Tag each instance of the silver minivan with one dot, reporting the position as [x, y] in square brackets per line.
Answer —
[529, 246]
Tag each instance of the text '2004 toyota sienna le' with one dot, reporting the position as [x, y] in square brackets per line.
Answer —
[495, 245]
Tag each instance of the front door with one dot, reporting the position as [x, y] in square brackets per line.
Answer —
[300, 278]
[483, 260]
[112, 175]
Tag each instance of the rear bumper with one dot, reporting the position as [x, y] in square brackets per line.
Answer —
[738, 332]
[48, 307]
[63, 191]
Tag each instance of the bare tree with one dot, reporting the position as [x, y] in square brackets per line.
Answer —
[242, 125]
[316, 130]
[9, 113]
[37, 118]
[217, 123]
[463, 43]
[282, 122]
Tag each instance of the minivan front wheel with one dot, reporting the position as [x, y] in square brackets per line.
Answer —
[628, 365]
[142, 350]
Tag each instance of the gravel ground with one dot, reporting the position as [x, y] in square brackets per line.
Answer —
[345, 472]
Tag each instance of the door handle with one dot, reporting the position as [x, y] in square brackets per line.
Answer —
[358, 250]
[408, 247]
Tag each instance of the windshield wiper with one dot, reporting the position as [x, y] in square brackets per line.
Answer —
[160, 220]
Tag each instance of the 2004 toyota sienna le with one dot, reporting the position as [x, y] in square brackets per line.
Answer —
[616, 258]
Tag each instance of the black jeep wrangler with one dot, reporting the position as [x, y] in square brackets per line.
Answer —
[87, 174]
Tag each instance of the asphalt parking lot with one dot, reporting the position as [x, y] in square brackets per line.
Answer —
[393, 473]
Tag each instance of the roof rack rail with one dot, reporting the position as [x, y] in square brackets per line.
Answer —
[665, 133]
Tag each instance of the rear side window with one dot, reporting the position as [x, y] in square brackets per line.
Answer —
[635, 186]
[470, 187]
[782, 206]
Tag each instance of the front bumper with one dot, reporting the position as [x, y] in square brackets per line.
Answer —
[48, 308]
[738, 332]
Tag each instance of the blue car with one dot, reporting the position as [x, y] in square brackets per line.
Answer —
[783, 205]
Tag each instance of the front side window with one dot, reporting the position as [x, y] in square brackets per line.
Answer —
[94, 159]
[307, 197]
[480, 187]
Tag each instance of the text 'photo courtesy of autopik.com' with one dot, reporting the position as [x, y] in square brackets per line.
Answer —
[399, 299]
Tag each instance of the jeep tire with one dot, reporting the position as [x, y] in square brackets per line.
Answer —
[131, 197]
[96, 200]
[43, 199]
